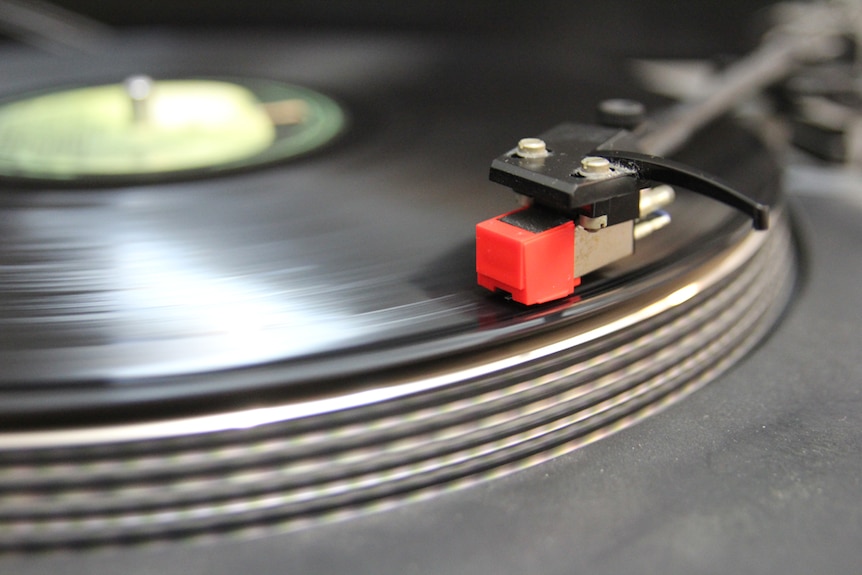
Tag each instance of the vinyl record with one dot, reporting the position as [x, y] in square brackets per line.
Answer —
[357, 257]
[247, 314]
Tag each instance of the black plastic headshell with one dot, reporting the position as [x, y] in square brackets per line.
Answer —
[555, 177]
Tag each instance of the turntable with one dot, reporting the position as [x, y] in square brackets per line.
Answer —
[240, 324]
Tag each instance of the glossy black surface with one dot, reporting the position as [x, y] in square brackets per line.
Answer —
[358, 258]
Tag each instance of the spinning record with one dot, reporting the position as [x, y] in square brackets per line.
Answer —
[307, 284]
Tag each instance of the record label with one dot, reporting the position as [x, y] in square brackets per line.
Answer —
[160, 129]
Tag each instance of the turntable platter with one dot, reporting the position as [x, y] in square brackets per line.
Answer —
[357, 258]
[252, 323]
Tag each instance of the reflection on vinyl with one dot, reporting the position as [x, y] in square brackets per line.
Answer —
[305, 319]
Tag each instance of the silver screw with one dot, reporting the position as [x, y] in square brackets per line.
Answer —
[655, 198]
[532, 148]
[592, 166]
[139, 89]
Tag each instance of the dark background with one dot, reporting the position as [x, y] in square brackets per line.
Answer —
[646, 29]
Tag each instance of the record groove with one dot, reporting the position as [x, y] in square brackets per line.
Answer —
[278, 476]
[285, 345]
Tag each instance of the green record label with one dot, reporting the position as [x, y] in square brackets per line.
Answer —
[145, 129]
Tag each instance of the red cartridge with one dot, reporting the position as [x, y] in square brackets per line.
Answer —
[534, 265]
